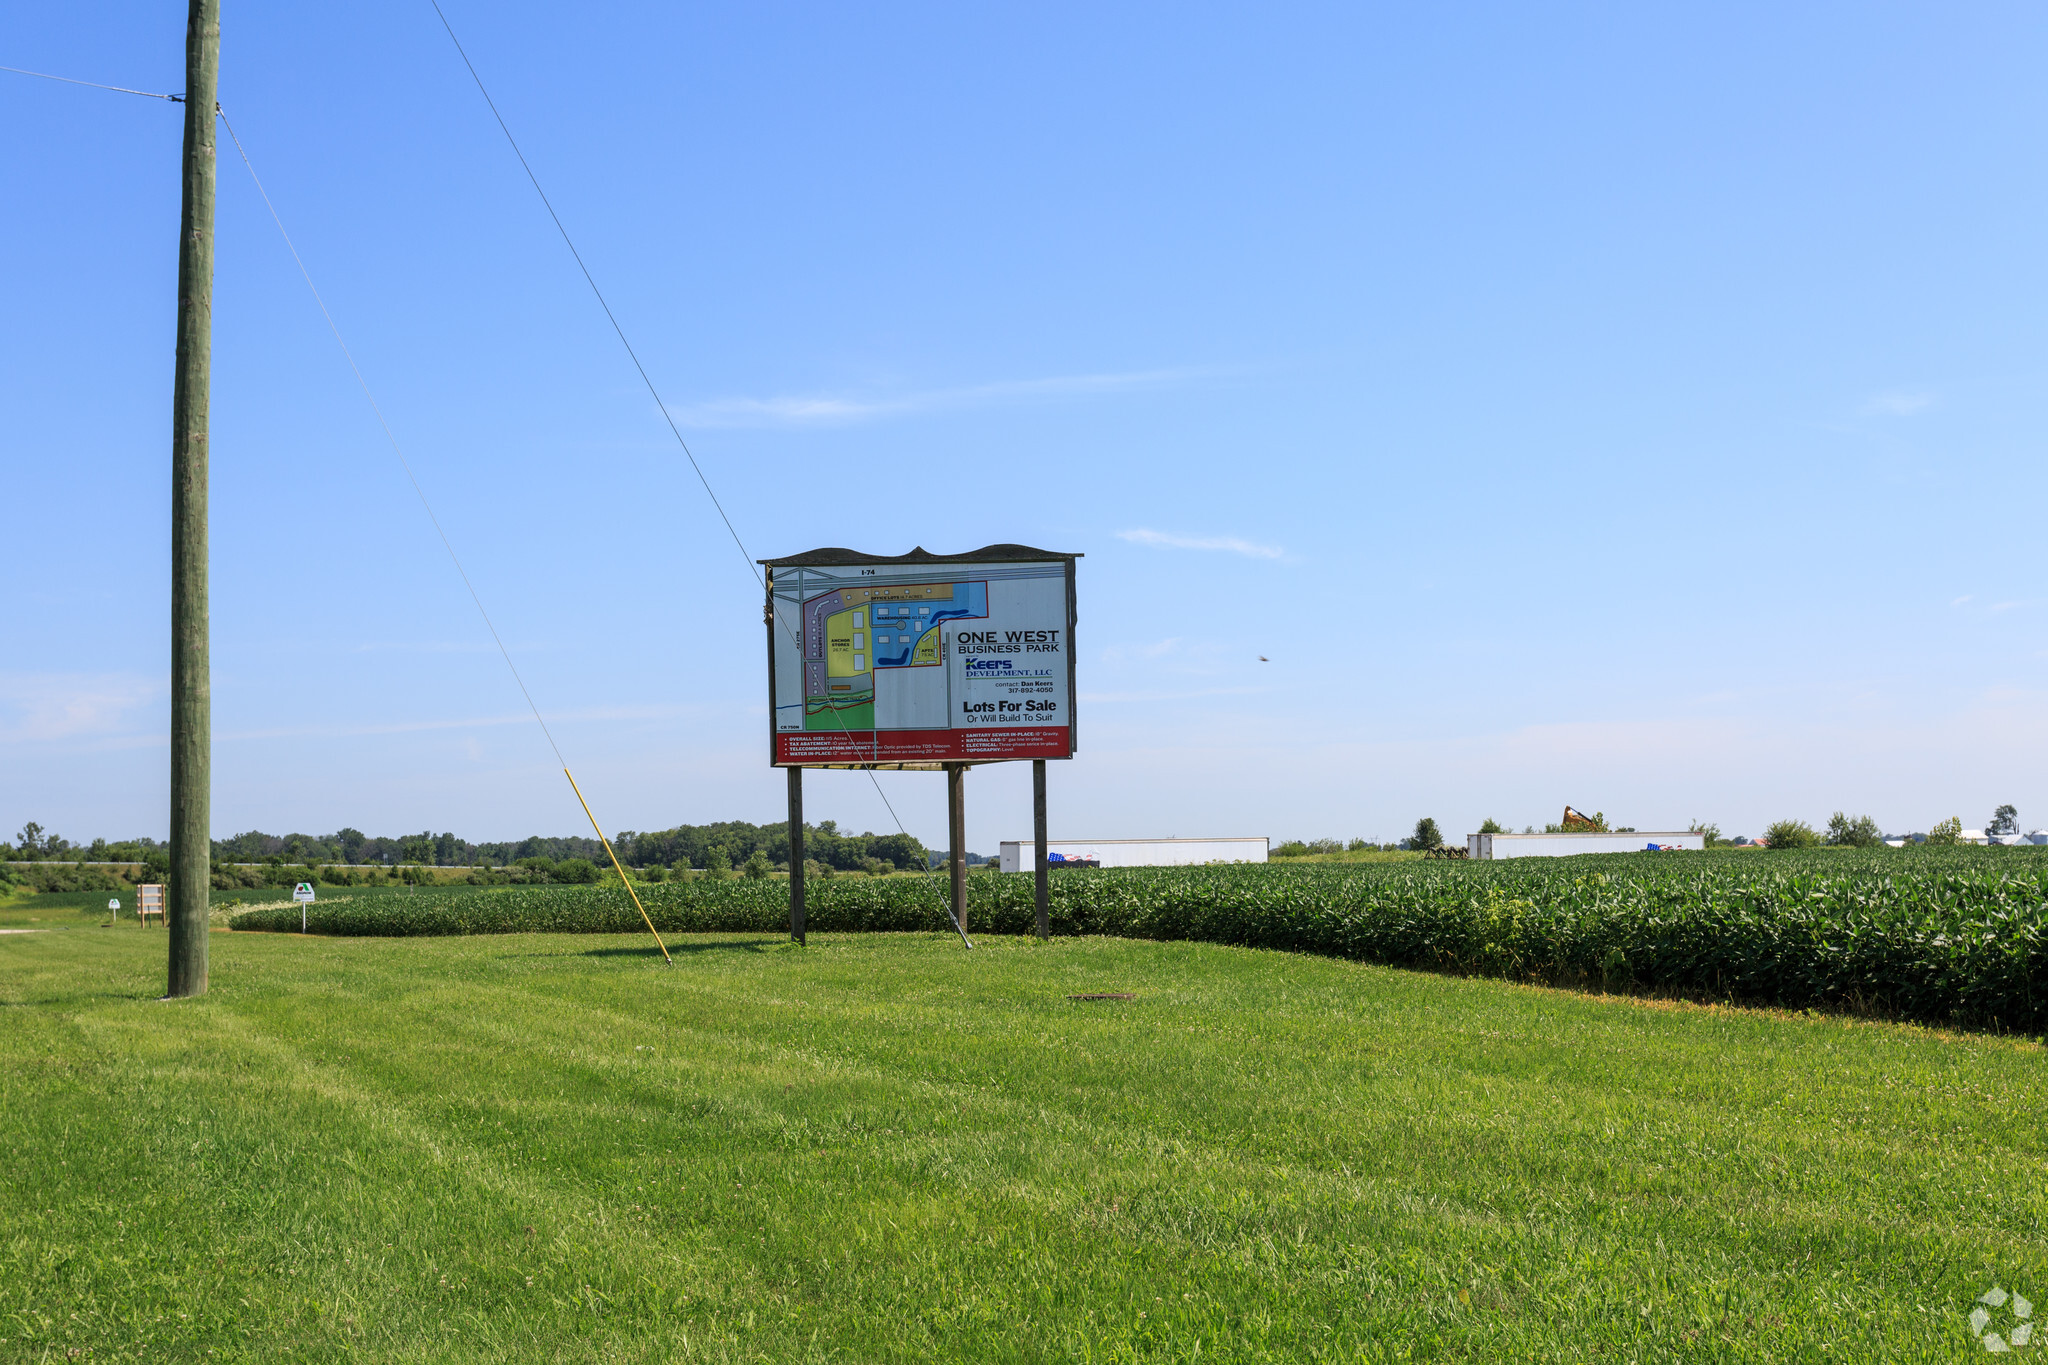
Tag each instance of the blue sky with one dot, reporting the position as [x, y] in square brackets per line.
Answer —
[1636, 407]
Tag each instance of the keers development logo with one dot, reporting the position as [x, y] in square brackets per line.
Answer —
[1004, 668]
[2002, 1321]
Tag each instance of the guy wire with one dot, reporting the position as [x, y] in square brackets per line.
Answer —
[592, 282]
[390, 436]
[453, 558]
[119, 89]
[648, 380]
[406, 464]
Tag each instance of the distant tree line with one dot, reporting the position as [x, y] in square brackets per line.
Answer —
[695, 846]
[729, 843]
[34, 845]
[425, 849]
[1302, 848]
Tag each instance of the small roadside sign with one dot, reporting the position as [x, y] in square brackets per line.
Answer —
[303, 894]
[114, 906]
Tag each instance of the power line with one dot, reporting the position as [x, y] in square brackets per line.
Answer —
[119, 89]
[592, 282]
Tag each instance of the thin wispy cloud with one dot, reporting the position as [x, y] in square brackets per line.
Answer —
[1186, 662]
[846, 409]
[1900, 403]
[408, 727]
[1987, 608]
[428, 647]
[1121, 653]
[1174, 696]
[1226, 544]
[40, 707]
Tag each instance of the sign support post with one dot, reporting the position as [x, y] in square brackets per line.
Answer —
[796, 854]
[920, 662]
[1043, 889]
[956, 835]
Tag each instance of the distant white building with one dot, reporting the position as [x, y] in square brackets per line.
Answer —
[1565, 845]
[1021, 855]
[1975, 836]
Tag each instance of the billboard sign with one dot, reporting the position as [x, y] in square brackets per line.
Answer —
[920, 658]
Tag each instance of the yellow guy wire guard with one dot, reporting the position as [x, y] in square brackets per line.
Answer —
[623, 879]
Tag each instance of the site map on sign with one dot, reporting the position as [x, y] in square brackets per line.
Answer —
[922, 663]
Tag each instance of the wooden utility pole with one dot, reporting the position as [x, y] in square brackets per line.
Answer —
[1044, 891]
[796, 853]
[956, 835]
[191, 685]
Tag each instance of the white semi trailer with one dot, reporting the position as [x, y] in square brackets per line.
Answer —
[1021, 855]
[1564, 845]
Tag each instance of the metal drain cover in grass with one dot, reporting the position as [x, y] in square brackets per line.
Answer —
[1105, 995]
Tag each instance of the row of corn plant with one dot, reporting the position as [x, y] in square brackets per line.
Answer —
[1946, 935]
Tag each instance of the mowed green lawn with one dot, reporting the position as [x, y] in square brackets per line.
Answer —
[885, 1148]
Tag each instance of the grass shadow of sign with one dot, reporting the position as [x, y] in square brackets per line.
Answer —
[738, 945]
[139, 995]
